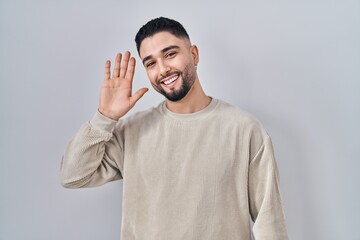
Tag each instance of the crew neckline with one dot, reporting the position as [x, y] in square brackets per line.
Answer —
[189, 116]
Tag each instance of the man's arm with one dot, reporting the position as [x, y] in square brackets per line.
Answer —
[92, 157]
[265, 203]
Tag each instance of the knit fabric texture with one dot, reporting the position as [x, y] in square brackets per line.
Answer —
[204, 175]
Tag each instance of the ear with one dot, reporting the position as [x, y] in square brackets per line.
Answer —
[195, 54]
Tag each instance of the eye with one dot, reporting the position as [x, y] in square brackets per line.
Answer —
[149, 64]
[170, 54]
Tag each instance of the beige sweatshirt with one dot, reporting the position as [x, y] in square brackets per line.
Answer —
[185, 176]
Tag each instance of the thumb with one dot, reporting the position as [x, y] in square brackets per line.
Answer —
[136, 96]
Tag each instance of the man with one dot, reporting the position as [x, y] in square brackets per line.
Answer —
[193, 167]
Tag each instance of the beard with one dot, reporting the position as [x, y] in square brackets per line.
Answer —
[188, 77]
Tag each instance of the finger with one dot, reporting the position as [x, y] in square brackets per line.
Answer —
[131, 69]
[124, 64]
[135, 97]
[107, 70]
[116, 71]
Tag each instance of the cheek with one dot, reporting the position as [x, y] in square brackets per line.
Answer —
[151, 75]
[182, 63]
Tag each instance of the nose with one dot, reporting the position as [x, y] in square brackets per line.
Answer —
[163, 68]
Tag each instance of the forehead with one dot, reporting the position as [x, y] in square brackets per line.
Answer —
[157, 42]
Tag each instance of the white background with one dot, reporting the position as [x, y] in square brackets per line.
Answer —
[293, 64]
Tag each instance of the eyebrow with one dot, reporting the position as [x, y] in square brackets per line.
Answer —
[162, 51]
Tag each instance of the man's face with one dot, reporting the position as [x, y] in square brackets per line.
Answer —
[170, 63]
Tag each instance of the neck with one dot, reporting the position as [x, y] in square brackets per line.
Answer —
[194, 101]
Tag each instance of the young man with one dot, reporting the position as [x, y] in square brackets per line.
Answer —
[193, 167]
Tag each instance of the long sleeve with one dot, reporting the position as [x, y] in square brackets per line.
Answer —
[185, 176]
[92, 157]
[264, 195]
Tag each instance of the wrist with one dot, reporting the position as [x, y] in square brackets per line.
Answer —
[108, 114]
[103, 123]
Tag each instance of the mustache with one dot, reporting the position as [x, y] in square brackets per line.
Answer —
[168, 75]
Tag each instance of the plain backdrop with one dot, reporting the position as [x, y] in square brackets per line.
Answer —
[295, 65]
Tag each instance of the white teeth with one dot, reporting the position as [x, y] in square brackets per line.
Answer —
[167, 82]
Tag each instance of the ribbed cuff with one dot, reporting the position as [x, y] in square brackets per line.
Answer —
[102, 122]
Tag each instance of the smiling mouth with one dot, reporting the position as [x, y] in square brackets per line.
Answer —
[169, 80]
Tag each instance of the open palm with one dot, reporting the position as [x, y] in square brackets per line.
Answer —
[116, 97]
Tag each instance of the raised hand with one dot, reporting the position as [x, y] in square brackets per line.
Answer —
[116, 97]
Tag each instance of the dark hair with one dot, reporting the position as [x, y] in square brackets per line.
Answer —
[158, 25]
